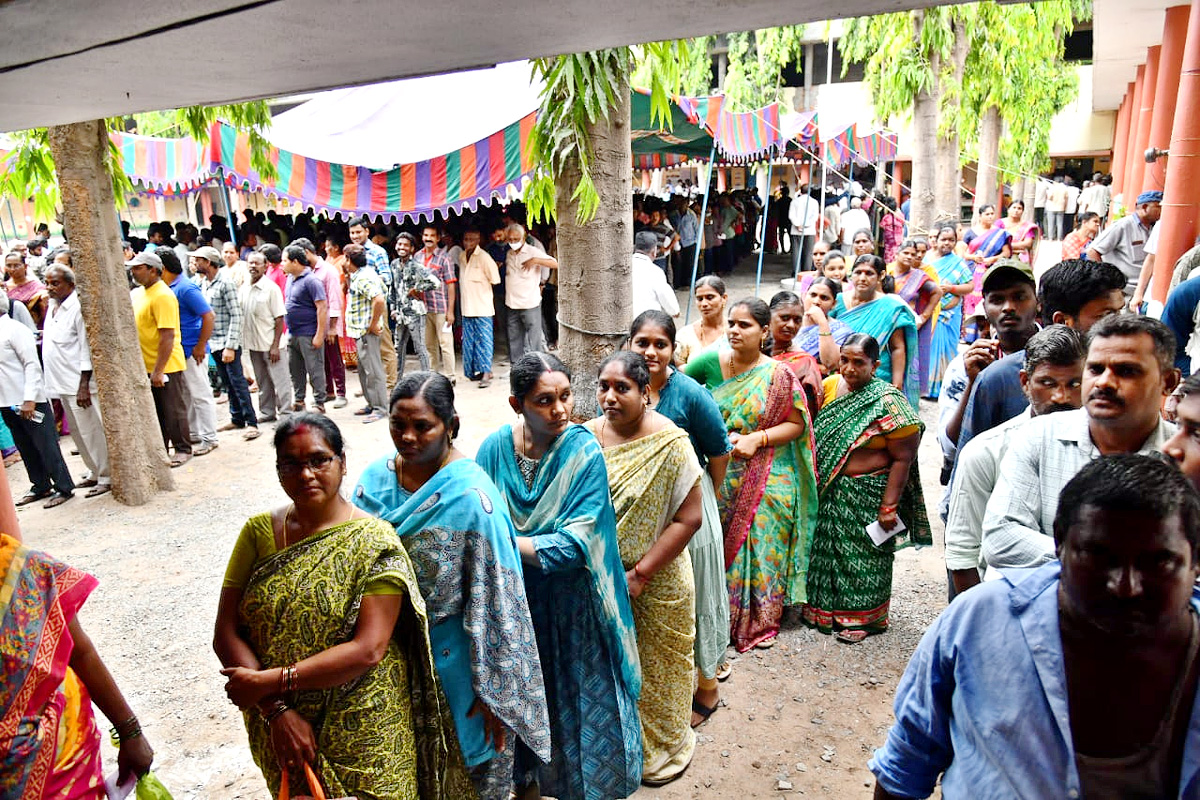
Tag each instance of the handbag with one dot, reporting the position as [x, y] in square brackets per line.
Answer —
[314, 786]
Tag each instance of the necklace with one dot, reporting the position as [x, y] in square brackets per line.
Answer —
[741, 376]
[398, 463]
[604, 426]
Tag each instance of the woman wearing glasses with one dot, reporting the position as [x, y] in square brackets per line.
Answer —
[325, 642]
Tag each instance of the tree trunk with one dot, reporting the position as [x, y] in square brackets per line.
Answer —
[135, 446]
[948, 167]
[594, 284]
[923, 204]
[986, 188]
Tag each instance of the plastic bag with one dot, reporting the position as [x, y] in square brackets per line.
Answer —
[151, 788]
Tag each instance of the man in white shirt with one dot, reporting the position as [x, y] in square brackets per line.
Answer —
[854, 220]
[1056, 208]
[650, 287]
[263, 310]
[28, 415]
[1072, 205]
[527, 268]
[1128, 372]
[67, 361]
[803, 214]
[1052, 380]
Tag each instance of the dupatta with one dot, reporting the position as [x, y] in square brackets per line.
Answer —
[570, 496]
[879, 319]
[460, 538]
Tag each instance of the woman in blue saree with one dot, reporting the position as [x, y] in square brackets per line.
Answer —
[456, 529]
[552, 475]
[986, 244]
[888, 320]
[955, 277]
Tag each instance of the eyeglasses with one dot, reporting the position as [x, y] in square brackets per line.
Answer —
[316, 464]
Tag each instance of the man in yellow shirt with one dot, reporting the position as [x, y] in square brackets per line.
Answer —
[156, 312]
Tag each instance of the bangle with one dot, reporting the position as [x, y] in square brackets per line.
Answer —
[276, 711]
[887, 509]
[287, 679]
[639, 573]
[766, 442]
[819, 333]
[124, 731]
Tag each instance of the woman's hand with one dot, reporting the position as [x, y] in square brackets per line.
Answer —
[134, 758]
[635, 582]
[293, 740]
[887, 518]
[246, 687]
[815, 315]
[493, 728]
[745, 446]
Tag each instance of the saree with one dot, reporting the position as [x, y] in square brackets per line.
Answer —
[650, 478]
[909, 289]
[49, 742]
[579, 602]
[850, 579]
[879, 319]
[387, 734]
[988, 244]
[688, 405]
[33, 295]
[809, 337]
[768, 504]
[1019, 233]
[953, 270]
[457, 532]
[807, 370]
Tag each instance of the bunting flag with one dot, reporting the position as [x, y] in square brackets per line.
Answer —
[647, 161]
[163, 166]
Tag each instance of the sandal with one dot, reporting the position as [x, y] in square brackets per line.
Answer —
[33, 497]
[851, 637]
[180, 459]
[251, 433]
[724, 671]
[704, 711]
[57, 500]
[99, 490]
[87, 483]
[766, 644]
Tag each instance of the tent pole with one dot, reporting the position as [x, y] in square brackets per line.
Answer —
[824, 165]
[712, 157]
[763, 236]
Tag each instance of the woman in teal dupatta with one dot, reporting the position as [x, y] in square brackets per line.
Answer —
[885, 318]
[456, 529]
[955, 276]
[551, 474]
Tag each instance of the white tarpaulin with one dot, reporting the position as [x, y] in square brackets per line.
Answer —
[402, 122]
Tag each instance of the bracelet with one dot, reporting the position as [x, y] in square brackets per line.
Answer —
[124, 731]
[887, 509]
[819, 333]
[276, 711]
[638, 572]
[766, 439]
[287, 679]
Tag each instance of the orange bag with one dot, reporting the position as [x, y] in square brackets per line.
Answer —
[314, 786]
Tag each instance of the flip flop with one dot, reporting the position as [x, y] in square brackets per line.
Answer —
[99, 490]
[766, 644]
[87, 483]
[58, 499]
[32, 497]
[724, 671]
[851, 637]
[704, 711]
[251, 434]
[180, 459]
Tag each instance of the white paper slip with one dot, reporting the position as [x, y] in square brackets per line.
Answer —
[879, 535]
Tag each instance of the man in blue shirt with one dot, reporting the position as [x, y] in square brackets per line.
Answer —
[1180, 316]
[1077, 679]
[306, 316]
[196, 321]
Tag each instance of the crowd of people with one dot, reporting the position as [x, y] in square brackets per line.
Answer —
[552, 616]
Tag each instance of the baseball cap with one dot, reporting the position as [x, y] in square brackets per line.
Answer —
[1008, 269]
[145, 257]
[207, 252]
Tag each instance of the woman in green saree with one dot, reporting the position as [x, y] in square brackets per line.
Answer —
[867, 436]
[768, 499]
[324, 638]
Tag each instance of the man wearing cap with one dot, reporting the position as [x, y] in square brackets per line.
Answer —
[1124, 243]
[226, 340]
[196, 322]
[651, 292]
[156, 313]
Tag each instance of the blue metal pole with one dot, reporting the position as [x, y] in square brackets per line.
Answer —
[763, 235]
[703, 215]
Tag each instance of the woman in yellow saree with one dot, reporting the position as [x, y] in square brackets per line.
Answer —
[654, 477]
[325, 641]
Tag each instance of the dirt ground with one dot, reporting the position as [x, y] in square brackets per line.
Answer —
[800, 719]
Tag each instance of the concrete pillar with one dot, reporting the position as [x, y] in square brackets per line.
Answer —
[1145, 118]
[1121, 142]
[1131, 191]
[1181, 203]
[1167, 94]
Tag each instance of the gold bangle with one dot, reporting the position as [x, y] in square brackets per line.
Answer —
[766, 439]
